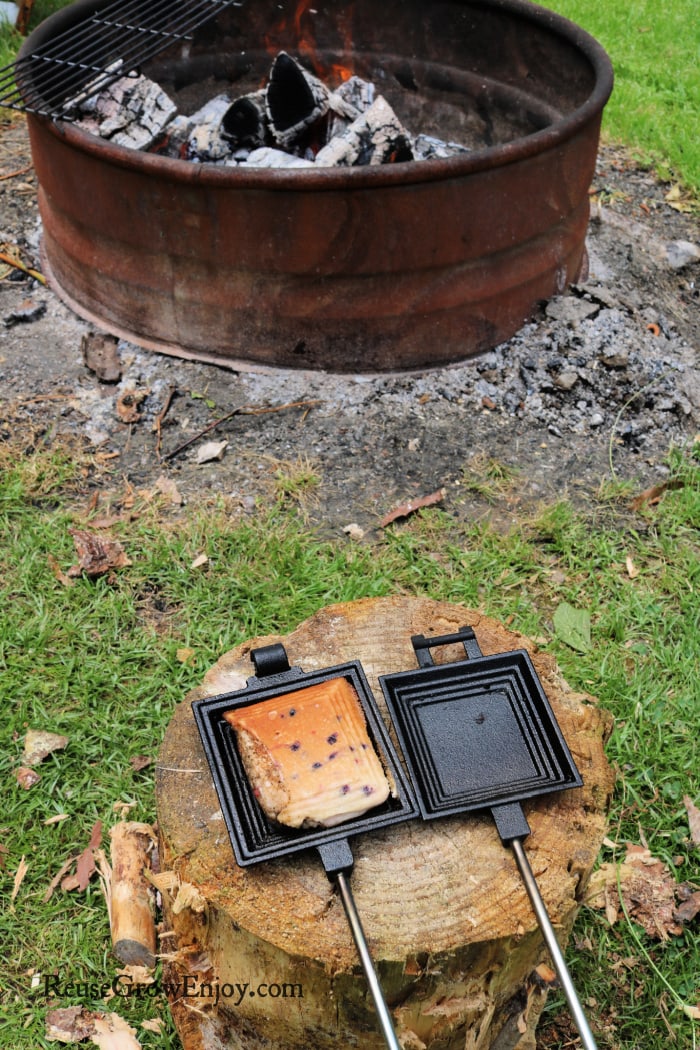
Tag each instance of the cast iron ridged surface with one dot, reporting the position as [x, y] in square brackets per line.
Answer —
[125, 33]
[478, 734]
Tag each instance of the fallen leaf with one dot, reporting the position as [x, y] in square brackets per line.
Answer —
[101, 356]
[689, 908]
[19, 878]
[138, 975]
[651, 496]
[354, 531]
[691, 1011]
[38, 744]
[65, 867]
[96, 554]
[679, 199]
[573, 626]
[199, 561]
[129, 405]
[154, 1024]
[56, 819]
[632, 570]
[139, 762]
[26, 778]
[58, 571]
[184, 655]
[70, 1024]
[211, 450]
[168, 488]
[112, 1032]
[405, 509]
[648, 892]
[85, 866]
[693, 819]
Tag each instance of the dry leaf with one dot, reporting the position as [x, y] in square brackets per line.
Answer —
[200, 560]
[168, 488]
[96, 554]
[101, 356]
[85, 867]
[184, 655]
[412, 506]
[19, 878]
[691, 1011]
[65, 867]
[689, 907]
[632, 570]
[26, 778]
[129, 405]
[58, 571]
[71, 1024]
[354, 531]
[693, 820]
[112, 1032]
[648, 892]
[679, 199]
[651, 496]
[56, 819]
[155, 1024]
[38, 744]
[211, 450]
[139, 762]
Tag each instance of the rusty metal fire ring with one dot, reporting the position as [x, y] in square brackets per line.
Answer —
[413, 265]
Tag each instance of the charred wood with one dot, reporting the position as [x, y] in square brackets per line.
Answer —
[376, 137]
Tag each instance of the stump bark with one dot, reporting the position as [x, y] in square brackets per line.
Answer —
[263, 956]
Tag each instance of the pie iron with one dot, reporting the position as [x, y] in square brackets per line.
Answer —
[479, 734]
[254, 838]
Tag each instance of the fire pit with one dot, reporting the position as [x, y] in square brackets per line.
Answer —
[407, 265]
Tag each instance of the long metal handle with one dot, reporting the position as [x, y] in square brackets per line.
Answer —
[358, 934]
[552, 943]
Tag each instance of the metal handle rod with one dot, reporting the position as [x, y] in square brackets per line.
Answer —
[552, 943]
[358, 934]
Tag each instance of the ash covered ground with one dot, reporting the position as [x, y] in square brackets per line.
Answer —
[605, 374]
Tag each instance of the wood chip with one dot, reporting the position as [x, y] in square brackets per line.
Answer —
[101, 356]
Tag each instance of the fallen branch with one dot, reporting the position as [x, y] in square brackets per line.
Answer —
[17, 265]
[412, 506]
[242, 410]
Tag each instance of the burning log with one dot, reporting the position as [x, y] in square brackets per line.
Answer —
[376, 137]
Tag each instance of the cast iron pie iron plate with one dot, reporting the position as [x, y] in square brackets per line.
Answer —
[256, 839]
[480, 734]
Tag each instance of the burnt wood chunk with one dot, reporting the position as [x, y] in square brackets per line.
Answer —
[295, 99]
[245, 121]
[376, 137]
[132, 111]
[449, 923]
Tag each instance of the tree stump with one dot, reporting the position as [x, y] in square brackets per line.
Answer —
[263, 956]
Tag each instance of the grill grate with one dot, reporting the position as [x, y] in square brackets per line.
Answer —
[105, 44]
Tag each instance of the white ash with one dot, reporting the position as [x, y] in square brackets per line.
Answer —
[206, 141]
[377, 136]
[268, 157]
[132, 111]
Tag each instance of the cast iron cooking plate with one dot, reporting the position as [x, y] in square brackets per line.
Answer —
[254, 838]
[480, 734]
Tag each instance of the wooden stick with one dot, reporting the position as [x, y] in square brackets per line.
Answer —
[242, 410]
[132, 906]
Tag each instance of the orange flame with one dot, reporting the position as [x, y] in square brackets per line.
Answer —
[304, 42]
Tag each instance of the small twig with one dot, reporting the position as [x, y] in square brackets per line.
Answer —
[172, 390]
[242, 410]
[13, 174]
[17, 265]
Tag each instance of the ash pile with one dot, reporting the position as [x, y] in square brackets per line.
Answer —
[294, 121]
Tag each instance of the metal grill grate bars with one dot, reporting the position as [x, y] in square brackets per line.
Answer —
[96, 51]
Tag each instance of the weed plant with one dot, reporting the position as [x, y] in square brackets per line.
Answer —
[102, 662]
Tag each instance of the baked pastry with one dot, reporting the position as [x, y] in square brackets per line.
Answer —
[308, 757]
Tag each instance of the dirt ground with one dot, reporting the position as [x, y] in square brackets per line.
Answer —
[607, 373]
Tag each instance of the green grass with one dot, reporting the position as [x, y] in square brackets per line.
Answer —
[655, 50]
[98, 662]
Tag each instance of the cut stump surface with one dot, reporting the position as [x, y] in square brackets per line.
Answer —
[446, 915]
